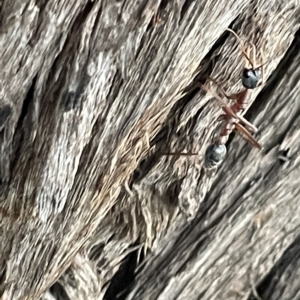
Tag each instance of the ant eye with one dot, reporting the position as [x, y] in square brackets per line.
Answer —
[246, 73]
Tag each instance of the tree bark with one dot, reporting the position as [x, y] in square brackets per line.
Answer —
[94, 94]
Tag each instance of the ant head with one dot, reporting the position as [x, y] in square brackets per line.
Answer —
[250, 78]
[214, 155]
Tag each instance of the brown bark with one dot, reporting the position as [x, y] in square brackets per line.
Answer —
[92, 94]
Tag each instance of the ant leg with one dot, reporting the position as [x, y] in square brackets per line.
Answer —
[234, 96]
[248, 136]
[250, 126]
[231, 97]
[226, 108]
[189, 153]
[215, 95]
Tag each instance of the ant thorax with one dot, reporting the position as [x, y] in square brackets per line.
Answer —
[250, 78]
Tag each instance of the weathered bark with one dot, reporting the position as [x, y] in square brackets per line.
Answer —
[92, 94]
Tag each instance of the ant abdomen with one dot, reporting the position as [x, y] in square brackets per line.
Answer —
[214, 155]
[250, 78]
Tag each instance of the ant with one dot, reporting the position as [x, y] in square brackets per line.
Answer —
[251, 75]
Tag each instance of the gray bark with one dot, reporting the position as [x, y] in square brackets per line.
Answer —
[93, 93]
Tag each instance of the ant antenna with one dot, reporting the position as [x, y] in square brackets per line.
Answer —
[242, 46]
[270, 59]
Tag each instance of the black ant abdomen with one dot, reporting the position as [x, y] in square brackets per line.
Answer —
[214, 155]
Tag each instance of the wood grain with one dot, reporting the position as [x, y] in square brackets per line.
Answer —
[92, 94]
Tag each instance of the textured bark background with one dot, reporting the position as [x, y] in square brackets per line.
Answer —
[92, 94]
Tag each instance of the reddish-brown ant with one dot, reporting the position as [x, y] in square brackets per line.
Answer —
[216, 152]
[251, 75]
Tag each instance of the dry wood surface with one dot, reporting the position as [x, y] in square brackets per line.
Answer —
[93, 96]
